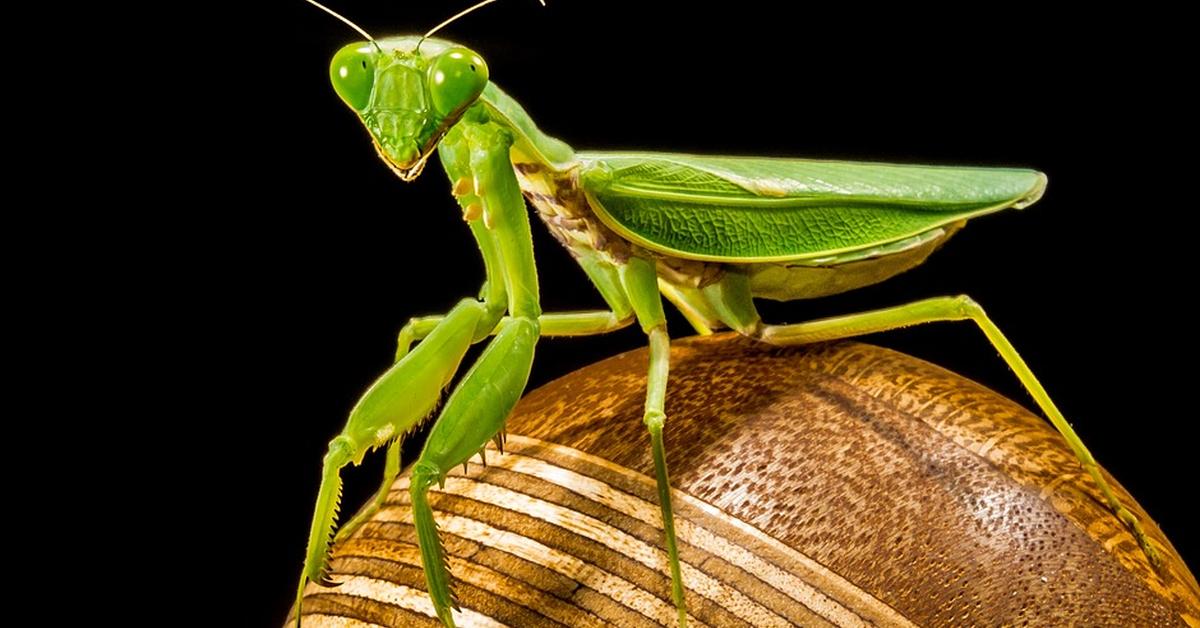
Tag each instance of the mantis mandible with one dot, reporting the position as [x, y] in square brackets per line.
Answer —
[708, 234]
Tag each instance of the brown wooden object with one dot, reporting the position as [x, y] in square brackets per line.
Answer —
[839, 484]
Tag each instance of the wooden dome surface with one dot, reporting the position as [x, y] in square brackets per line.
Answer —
[840, 484]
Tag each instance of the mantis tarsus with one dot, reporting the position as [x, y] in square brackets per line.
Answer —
[643, 226]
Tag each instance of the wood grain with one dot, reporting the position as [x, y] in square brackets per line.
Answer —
[840, 484]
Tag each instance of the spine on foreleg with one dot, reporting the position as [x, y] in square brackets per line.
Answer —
[320, 534]
[476, 410]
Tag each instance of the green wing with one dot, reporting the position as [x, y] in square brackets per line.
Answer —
[752, 209]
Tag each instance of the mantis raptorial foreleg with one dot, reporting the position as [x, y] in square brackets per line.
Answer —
[493, 302]
[416, 382]
[641, 285]
[483, 184]
[558, 324]
[475, 412]
[479, 405]
[732, 299]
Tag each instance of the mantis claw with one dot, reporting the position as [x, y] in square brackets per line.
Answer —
[327, 580]
[1123, 514]
[1143, 540]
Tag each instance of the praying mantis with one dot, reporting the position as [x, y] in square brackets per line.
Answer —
[707, 234]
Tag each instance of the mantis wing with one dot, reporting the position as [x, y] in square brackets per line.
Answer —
[755, 209]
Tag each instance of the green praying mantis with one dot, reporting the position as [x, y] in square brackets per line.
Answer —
[709, 234]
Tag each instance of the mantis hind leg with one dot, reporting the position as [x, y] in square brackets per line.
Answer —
[732, 299]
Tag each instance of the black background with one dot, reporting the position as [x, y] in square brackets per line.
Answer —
[322, 254]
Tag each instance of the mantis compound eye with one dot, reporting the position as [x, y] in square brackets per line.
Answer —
[352, 73]
[456, 78]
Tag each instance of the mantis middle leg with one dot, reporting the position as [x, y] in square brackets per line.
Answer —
[557, 324]
[732, 299]
[603, 274]
[641, 284]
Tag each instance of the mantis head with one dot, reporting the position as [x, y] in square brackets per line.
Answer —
[408, 93]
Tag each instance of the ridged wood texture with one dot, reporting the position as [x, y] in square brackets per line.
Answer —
[840, 484]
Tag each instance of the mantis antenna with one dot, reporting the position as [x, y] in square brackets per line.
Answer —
[347, 22]
[451, 19]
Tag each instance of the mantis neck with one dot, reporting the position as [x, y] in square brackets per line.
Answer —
[528, 138]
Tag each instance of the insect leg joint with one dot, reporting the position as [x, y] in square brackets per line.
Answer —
[968, 307]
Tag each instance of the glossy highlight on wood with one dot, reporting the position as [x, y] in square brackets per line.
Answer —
[839, 484]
